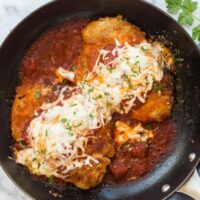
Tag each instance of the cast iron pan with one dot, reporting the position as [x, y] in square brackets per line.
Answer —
[177, 166]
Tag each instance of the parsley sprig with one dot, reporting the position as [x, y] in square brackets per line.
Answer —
[185, 10]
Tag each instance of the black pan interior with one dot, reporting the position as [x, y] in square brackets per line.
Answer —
[176, 167]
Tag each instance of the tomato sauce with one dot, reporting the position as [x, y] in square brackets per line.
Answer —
[58, 47]
[134, 160]
[61, 46]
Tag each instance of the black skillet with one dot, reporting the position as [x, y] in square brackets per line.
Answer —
[176, 167]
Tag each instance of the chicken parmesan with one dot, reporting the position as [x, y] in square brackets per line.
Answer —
[94, 103]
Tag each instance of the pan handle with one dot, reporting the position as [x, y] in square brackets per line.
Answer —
[192, 186]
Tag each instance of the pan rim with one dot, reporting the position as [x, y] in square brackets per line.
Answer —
[46, 5]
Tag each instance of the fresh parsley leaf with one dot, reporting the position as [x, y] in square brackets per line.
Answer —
[91, 89]
[22, 144]
[46, 133]
[73, 104]
[75, 126]
[72, 68]
[158, 87]
[186, 16]
[38, 166]
[38, 94]
[148, 126]
[91, 115]
[98, 97]
[173, 6]
[110, 69]
[63, 120]
[196, 33]
[106, 93]
[51, 180]
[189, 6]
[185, 19]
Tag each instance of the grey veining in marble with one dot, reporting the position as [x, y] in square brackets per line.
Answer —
[11, 13]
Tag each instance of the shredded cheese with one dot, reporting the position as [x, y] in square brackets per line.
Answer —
[65, 74]
[59, 134]
[136, 133]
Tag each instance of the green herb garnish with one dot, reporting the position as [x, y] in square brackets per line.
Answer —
[106, 93]
[196, 33]
[135, 73]
[158, 87]
[34, 159]
[185, 10]
[38, 94]
[51, 180]
[73, 104]
[128, 81]
[91, 89]
[46, 133]
[38, 165]
[108, 105]
[72, 68]
[148, 126]
[63, 120]
[91, 115]
[142, 48]
[22, 144]
[136, 62]
[98, 97]
[110, 69]
[75, 126]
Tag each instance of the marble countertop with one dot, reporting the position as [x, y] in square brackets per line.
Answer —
[11, 13]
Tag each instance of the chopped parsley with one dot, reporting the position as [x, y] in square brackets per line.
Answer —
[128, 96]
[73, 104]
[46, 133]
[90, 89]
[70, 133]
[22, 144]
[158, 87]
[72, 68]
[34, 159]
[38, 94]
[75, 126]
[63, 120]
[135, 73]
[177, 59]
[106, 93]
[69, 127]
[51, 180]
[38, 165]
[98, 97]
[128, 81]
[43, 151]
[142, 48]
[91, 115]
[139, 69]
[110, 69]
[148, 126]
[136, 62]
[108, 105]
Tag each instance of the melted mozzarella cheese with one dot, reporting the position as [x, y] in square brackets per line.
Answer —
[58, 135]
[137, 133]
[129, 74]
[65, 74]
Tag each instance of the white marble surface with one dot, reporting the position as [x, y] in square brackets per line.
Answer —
[11, 13]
